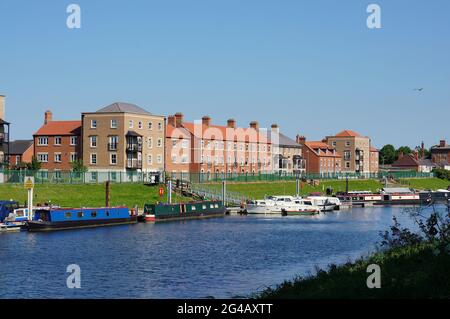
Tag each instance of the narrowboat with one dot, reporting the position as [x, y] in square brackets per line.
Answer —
[71, 218]
[181, 211]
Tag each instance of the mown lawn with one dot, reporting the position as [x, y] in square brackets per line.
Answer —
[410, 272]
[85, 195]
[427, 183]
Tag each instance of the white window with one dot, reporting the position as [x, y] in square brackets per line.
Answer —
[174, 143]
[130, 124]
[150, 125]
[159, 142]
[93, 159]
[150, 142]
[184, 159]
[93, 141]
[43, 141]
[159, 159]
[57, 140]
[185, 144]
[113, 123]
[58, 158]
[42, 157]
[113, 159]
[93, 123]
[113, 143]
[149, 160]
[347, 144]
[174, 159]
[73, 140]
[140, 124]
[73, 157]
[160, 126]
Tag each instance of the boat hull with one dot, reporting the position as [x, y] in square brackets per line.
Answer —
[183, 211]
[36, 226]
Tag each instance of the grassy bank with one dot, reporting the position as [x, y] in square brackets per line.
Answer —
[426, 183]
[85, 195]
[408, 272]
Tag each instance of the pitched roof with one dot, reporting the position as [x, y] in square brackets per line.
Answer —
[328, 151]
[410, 160]
[19, 146]
[60, 128]
[121, 107]
[347, 133]
[283, 140]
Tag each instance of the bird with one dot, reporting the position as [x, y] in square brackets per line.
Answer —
[419, 89]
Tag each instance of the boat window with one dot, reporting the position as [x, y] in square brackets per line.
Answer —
[280, 200]
[204, 206]
[68, 215]
[211, 206]
[287, 199]
[80, 214]
[94, 214]
[193, 207]
[107, 214]
[216, 206]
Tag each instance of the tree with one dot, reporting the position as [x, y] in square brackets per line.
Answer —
[402, 149]
[387, 155]
[78, 166]
[35, 165]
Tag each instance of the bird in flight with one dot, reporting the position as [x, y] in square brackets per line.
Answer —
[419, 89]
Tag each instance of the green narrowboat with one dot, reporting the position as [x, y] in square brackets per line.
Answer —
[181, 211]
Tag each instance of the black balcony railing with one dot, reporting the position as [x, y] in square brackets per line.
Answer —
[4, 138]
[134, 147]
[134, 163]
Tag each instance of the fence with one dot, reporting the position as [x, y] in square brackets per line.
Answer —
[67, 177]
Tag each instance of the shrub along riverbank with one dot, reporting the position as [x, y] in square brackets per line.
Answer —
[414, 265]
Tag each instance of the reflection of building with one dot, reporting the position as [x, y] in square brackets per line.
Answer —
[57, 144]
[123, 137]
[440, 155]
[4, 135]
[21, 152]
[356, 152]
[201, 147]
[287, 153]
[320, 157]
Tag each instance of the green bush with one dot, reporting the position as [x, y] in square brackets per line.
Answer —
[442, 173]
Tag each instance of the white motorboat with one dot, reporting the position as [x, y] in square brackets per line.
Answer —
[326, 204]
[282, 205]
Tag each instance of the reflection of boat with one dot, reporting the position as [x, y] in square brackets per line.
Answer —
[285, 205]
[70, 218]
[182, 211]
[326, 204]
[441, 196]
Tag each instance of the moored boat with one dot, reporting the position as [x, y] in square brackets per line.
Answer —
[181, 211]
[326, 204]
[71, 218]
[282, 205]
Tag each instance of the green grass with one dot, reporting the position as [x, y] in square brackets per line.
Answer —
[260, 189]
[410, 272]
[85, 195]
[426, 183]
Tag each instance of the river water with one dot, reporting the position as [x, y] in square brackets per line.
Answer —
[220, 258]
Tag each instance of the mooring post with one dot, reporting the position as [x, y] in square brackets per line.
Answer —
[169, 191]
[107, 190]
[224, 192]
[346, 184]
[297, 187]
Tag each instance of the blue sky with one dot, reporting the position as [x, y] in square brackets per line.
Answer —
[313, 67]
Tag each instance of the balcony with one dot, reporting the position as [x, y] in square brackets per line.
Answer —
[134, 148]
[134, 164]
[112, 146]
[4, 138]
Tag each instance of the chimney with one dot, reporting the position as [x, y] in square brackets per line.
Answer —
[442, 143]
[275, 127]
[416, 155]
[231, 123]
[206, 120]
[171, 120]
[400, 155]
[179, 119]
[422, 150]
[2, 107]
[254, 125]
[48, 117]
[300, 139]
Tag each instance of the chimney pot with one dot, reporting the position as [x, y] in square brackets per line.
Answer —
[231, 123]
[48, 117]
[206, 120]
[171, 120]
[442, 143]
[254, 125]
[2, 107]
[179, 119]
[300, 139]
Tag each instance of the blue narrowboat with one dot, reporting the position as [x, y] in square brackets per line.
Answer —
[70, 218]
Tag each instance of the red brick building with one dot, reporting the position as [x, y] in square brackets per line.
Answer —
[57, 144]
[20, 152]
[440, 155]
[202, 147]
[320, 157]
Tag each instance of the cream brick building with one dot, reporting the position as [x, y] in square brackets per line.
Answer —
[123, 137]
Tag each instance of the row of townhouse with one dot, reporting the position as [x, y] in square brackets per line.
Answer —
[124, 137]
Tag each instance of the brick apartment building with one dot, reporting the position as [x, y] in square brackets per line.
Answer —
[202, 147]
[123, 137]
[4, 135]
[20, 152]
[57, 144]
[440, 155]
[320, 157]
[358, 156]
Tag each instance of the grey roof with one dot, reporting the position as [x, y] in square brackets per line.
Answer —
[19, 146]
[120, 107]
[284, 140]
[426, 162]
[392, 190]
